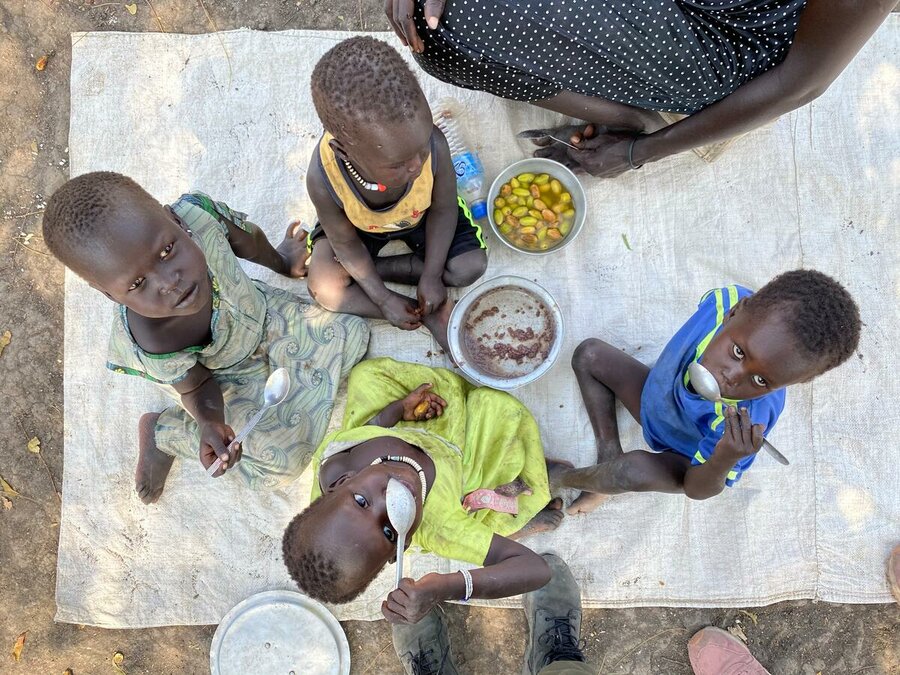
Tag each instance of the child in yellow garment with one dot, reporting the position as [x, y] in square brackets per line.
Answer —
[486, 439]
[382, 172]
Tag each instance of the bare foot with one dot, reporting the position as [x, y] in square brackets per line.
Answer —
[556, 469]
[153, 464]
[513, 488]
[438, 321]
[586, 502]
[546, 520]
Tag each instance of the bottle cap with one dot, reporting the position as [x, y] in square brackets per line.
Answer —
[479, 210]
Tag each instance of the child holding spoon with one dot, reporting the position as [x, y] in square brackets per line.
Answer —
[190, 319]
[485, 439]
[795, 328]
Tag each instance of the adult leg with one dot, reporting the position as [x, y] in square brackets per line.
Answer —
[603, 112]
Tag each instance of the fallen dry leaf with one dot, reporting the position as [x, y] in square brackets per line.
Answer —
[5, 339]
[17, 648]
[6, 501]
[738, 632]
[34, 445]
[7, 488]
[118, 659]
[41, 63]
[132, 8]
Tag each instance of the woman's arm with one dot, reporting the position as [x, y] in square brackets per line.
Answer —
[830, 33]
[509, 569]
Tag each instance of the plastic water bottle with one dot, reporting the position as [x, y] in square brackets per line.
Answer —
[469, 172]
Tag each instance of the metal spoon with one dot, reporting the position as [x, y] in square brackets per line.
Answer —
[276, 391]
[401, 511]
[705, 384]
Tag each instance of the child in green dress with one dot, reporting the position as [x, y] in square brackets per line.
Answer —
[188, 318]
[486, 440]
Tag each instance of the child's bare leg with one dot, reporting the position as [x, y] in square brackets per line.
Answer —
[406, 268]
[334, 289]
[605, 374]
[637, 471]
[438, 321]
[545, 520]
[153, 464]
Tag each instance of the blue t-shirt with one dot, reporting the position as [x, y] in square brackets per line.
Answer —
[674, 417]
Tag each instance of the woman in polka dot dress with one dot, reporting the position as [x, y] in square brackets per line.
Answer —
[732, 65]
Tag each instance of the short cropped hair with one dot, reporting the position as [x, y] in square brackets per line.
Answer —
[316, 572]
[360, 81]
[819, 311]
[79, 210]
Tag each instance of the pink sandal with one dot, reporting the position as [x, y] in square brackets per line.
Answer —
[714, 651]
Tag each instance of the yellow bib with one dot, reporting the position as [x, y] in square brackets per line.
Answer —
[403, 215]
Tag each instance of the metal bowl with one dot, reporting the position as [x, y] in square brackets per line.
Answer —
[505, 333]
[563, 175]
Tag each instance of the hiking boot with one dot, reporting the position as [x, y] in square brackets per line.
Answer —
[554, 619]
[424, 647]
[714, 651]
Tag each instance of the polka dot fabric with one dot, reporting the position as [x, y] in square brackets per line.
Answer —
[674, 55]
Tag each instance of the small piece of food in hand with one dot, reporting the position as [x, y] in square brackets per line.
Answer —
[422, 408]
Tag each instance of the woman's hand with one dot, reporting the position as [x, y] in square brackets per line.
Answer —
[422, 404]
[400, 15]
[594, 150]
[412, 600]
[292, 250]
[215, 438]
[431, 294]
[740, 439]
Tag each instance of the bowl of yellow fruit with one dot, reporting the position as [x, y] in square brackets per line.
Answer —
[536, 206]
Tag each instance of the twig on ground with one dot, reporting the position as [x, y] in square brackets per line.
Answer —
[375, 660]
[362, 24]
[156, 16]
[23, 215]
[43, 461]
[635, 648]
[221, 41]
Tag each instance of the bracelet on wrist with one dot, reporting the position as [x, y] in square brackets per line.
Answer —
[467, 577]
[631, 154]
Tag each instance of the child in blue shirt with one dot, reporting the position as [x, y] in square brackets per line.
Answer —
[798, 326]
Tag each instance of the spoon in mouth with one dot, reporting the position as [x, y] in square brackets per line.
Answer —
[704, 383]
[401, 512]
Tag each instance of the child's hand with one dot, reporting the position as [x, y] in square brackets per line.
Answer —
[421, 404]
[292, 250]
[412, 600]
[431, 294]
[214, 440]
[741, 439]
[400, 313]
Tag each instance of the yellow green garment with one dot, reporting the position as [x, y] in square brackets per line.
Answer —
[485, 438]
[255, 330]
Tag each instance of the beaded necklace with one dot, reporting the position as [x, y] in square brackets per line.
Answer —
[406, 460]
[374, 187]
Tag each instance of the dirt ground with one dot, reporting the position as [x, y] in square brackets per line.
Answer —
[795, 637]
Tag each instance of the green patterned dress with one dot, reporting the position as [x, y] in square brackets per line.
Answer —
[255, 329]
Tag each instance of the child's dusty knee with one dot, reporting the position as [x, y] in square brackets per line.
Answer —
[587, 353]
[465, 270]
[325, 291]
